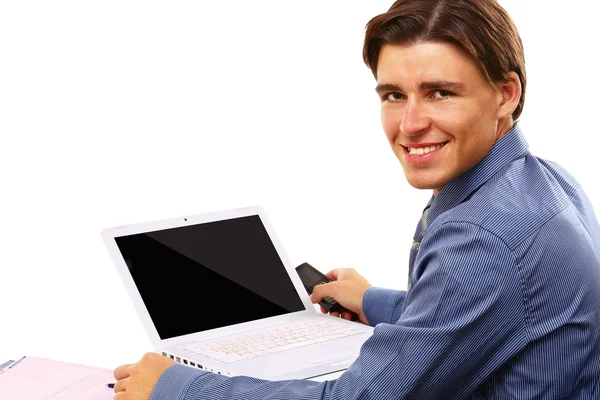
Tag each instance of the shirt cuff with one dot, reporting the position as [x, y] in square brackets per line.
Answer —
[380, 305]
[175, 382]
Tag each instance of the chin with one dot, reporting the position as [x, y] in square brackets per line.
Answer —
[421, 186]
[424, 184]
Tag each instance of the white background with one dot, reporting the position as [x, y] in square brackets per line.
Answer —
[116, 112]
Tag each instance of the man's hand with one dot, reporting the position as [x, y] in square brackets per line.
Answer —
[348, 288]
[136, 381]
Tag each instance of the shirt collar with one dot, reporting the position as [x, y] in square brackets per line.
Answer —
[507, 149]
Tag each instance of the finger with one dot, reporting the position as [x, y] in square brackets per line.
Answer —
[120, 396]
[333, 274]
[324, 310]
[347, 315]
[121, 386]
[321, 291]
[335, 314]
[122, 371]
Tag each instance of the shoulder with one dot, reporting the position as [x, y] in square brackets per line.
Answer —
[518, 201]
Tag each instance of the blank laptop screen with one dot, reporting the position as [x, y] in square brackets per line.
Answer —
[209, 275]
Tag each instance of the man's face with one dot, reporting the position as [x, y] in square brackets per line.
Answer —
[438, 112]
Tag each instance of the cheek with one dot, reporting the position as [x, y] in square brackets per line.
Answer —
[452, 118]
[464, 124]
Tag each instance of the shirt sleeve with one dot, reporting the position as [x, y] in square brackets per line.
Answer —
[382, 305]
[463, 318]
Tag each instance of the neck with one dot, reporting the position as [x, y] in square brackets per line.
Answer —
[504, 125]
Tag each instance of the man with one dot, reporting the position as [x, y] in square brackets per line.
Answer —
[504, 281]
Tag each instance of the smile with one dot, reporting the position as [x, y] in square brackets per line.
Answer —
[415, 151]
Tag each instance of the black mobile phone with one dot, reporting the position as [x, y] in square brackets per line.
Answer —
[311, 277]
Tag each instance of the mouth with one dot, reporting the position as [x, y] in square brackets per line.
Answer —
[423, 149]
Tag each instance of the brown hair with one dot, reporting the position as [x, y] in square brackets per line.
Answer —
[482, 28]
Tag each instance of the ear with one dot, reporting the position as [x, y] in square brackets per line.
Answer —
[510, 94]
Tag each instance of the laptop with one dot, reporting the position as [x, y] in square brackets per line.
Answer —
[216, 291]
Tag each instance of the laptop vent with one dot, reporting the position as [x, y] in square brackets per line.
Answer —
[193, 364]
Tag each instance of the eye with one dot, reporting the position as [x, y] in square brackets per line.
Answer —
[393, 96]
[441, 94]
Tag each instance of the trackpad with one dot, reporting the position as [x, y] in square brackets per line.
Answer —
[333, 358]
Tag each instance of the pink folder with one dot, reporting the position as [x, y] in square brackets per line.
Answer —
[35, 378]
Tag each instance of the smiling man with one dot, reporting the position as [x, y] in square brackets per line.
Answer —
[504, 271]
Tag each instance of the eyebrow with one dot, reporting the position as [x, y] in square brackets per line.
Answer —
[387, 87]
[440, 85]
[444, 85]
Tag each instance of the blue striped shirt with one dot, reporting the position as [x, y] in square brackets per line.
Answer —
[504, 301]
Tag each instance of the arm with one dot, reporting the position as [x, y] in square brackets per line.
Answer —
[383, 305]
[368, 304]
[463, 319]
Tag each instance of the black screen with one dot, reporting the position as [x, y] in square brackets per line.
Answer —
[209, 275]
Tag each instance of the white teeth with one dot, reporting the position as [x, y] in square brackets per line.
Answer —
[423, 150]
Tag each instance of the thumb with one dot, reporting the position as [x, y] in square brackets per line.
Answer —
[321, 291]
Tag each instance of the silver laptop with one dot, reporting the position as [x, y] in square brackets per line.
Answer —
[216, 291]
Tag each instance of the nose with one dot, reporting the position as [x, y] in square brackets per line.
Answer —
[415, 119]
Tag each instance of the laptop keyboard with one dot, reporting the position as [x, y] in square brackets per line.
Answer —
[274, 340]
